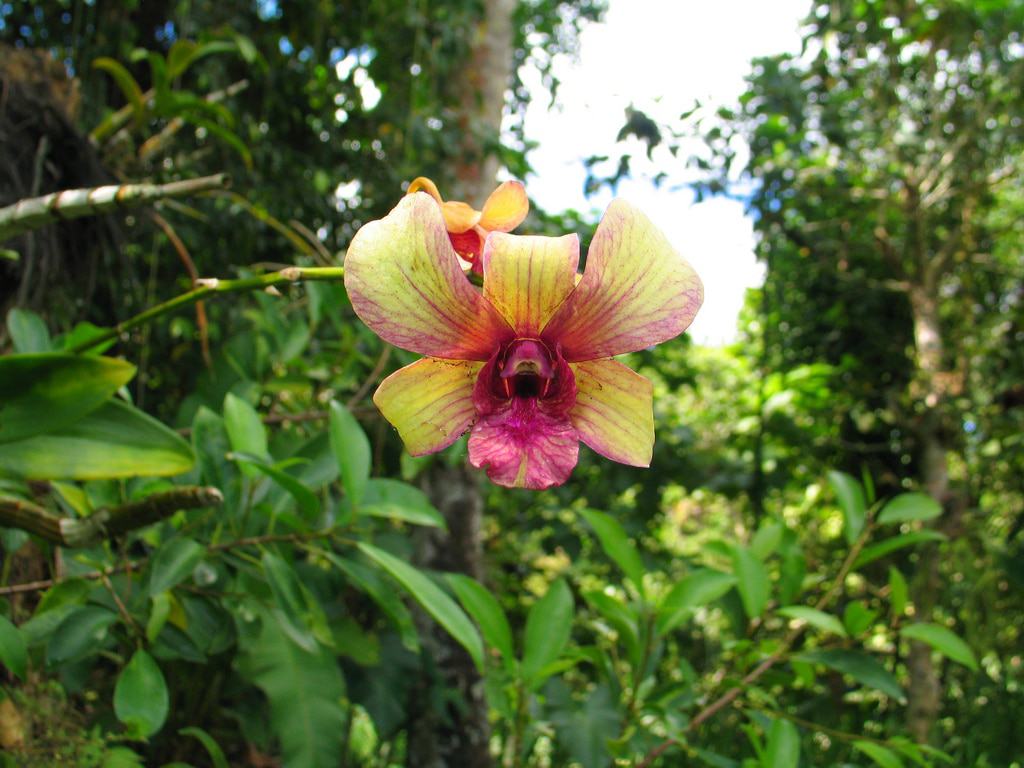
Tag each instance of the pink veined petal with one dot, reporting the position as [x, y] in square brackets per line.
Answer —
[636, 291]
[522, 446]
[430, 402]
[613, 413]
[405, 283]
[527, 278]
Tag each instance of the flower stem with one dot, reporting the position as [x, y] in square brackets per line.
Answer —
[207, 287]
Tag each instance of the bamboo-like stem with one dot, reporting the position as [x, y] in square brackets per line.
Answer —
[213, 287]
[35, 212]
[103, 523]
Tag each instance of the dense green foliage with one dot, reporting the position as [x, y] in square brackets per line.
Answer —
[214, 551]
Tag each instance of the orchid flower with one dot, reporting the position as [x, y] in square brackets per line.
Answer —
[467, 228]
[525, 363]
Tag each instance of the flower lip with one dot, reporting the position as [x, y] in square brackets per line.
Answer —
[527, 357]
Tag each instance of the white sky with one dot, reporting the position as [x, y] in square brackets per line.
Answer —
[659, 56]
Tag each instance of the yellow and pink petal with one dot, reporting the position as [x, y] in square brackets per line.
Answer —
[527, 278]
[613, 413]
[430, 402]
[405, 282]
[636, 291]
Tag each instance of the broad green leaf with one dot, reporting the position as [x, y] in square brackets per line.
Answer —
[698, 588]
[290, 598]
[140, 696]
[42, 393]
[858, 665]
[370, 581]
[850, 496]
[888, 546]
[882, 756]
[942, 640]
[245, 431]
[79, 634]
[897, 593]
[217, 758]
[585, 728]
[909, 506]
[352, 449]
[307, 501]
[63, 593]
[432, 599]
[617, 546]
[83, 333]
[857, 617]
[173, 562]
[819, 619]
[548, 626]
[28, 332]
[305, 690]
[782, 749]
[13, 649]
[486, 612]
[396, 500]
[766, 540]
[751, 581]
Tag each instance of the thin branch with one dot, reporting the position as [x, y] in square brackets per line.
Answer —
[193, 274]
[35, 212]
[214, 287]
[103, 523]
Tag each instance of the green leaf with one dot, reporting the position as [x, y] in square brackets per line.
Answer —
[826, 622]
[13, 649]
[942, 640]
[783, 747]
[766, 540]
[352, 449]
[858, 665]
[396, 500]
[41, 393]
[79, 634]
[857, 617]
[245, 431]
[159, 611]
[291, 599]
[850, 496]
[140, 696]
[210, 744]
[28, 332]
[173, 562]
[113, 441]
[548, 627]
[698, 588]
[882, 756]
[370, 581]
[909, 506]
[897, 593]
[617, 546]
[434, 601]
[84, 332]
[623, 620]
[307, 501]
[751, 581]
[888, 546]
[128, 85]
[305, 690]
[486, 612]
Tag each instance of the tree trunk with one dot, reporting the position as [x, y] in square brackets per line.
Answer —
[457, 734]
[924, 692]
